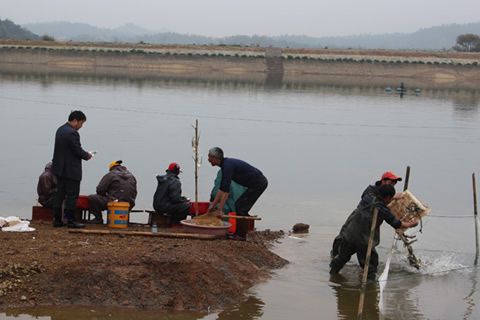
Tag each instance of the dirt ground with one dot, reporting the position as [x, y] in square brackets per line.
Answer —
[51, 266]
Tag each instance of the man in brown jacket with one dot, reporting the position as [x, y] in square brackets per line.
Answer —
[118, 184]
[47, 187]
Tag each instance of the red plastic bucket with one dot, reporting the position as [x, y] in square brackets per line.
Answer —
[233, 222]
[202, 207]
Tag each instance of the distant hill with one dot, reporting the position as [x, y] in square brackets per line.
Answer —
[434, 38]
[10, 30]
[85, 32]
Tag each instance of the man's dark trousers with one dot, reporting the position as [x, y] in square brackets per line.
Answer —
[68, 190]
[246, 202]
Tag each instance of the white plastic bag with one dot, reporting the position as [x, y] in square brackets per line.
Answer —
[14, 224]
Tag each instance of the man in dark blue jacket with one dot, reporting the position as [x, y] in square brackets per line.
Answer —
[245, 175]
[67, 166]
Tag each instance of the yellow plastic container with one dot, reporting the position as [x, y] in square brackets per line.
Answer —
[118, 214]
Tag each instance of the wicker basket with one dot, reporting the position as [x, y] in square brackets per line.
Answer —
[408, 207]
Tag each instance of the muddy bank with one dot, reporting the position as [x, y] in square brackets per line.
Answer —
[54, 267]
[376, 68]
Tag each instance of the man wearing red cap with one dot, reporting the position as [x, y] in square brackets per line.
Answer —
[168, 196]
[355, 232]
[369, 195]
[388, 177]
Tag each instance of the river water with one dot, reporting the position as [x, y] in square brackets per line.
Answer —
[318, 146]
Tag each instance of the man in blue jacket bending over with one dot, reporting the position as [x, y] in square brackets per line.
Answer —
[245, 175]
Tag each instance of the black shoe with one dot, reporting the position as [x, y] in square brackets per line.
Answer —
[58, 224]
[76, 225]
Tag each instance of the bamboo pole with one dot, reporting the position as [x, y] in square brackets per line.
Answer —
[195, 145]
[195, 236]
[412, 259]
[474, 187]
[407, 179]
[367, 262]
[474, 195]
[384, 276]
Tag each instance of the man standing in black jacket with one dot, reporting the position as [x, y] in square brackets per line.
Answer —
[67, 166]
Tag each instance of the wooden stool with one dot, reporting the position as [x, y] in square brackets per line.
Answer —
[162, 220]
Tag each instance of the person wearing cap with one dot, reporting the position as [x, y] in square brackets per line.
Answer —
[387, 177]
[168, 197]
[47, 187]
[355, 232]
[118, 184]
[67, 167]
[245, 175]
[368, 195]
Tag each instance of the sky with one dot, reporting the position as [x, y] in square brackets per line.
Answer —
[248, 17]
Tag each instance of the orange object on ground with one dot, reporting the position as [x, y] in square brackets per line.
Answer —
[118, 214]
[233, 222]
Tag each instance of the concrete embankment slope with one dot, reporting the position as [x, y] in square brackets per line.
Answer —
[271, 66]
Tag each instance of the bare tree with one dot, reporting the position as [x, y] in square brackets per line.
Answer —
[468, 42]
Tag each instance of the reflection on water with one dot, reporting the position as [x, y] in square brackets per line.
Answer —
[463, 99]
[348, 298]
[472, 299]
[90, 313]
[467, 101]
[251, 308]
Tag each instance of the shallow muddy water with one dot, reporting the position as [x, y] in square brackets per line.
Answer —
[319, 147]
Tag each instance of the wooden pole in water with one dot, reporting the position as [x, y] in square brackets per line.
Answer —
[384, 276]
[474, 186]
[367, 262]
[407, 178]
